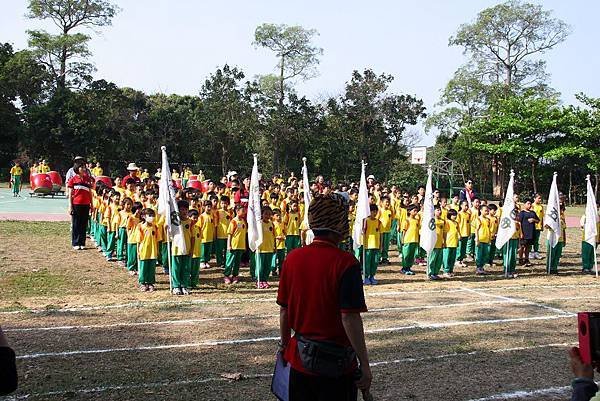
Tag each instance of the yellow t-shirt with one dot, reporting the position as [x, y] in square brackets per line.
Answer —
[539, 211]
[197, 244]
[144, 175]
[223, 223]
[372, 233]
[186, 226]
[401, 215]
[186, 174]
[439, 232]
[474, 216]
[43, 168]
[108, 217]
[464, 224]
[207, 228]
[132, 232]
[174, 176]
[16, 170]
[148, 241]
[97, 171]
[268, 243]
[451, 233]
[279, 232]
[517, 233]
[292, 223]
[237, 230]
[444, 215]
[123, 218]
[483, 229]
[411, 230]
[385, 217]
[493, 226]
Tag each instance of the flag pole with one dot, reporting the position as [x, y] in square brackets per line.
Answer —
[170, 261]
[256, 253]
[364, 252]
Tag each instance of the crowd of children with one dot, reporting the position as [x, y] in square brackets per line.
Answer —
[127, 229]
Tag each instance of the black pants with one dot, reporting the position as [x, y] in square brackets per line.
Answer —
[314, 388]
[79, 220]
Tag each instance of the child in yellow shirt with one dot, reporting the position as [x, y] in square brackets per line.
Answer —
[451, 240]
[181, 253]
[261, 261]
[133, 219]
[223, 220]
[148, 236]
[385, 216]
[372, 244]
[291, 222]
[193, 216]
[493, 231]
[236, 245]
[279, 230]
[410, 239]
[464, 230]
[435, 258]
[207, 234]
[483, 237]
[126, 206]
[111, 221]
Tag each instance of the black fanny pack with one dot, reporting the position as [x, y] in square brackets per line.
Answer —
[325, 358]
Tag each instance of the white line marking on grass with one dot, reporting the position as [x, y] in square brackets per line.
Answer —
[520, 301]
[520, 394]
[213, 343]
[102, 389]
[245, 317]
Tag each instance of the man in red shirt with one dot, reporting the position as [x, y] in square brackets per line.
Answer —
[321, 297]
[80, 202]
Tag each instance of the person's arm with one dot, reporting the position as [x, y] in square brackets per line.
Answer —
[8, 367]
[583, 385]
[285, 333]
[353, 326]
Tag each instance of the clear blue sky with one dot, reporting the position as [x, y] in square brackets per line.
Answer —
[172, 46]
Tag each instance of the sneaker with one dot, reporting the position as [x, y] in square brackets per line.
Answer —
[469, 259]
[584, 271]
[151, 288]
[259, 285]
[235, 280]
[185, 291]
[227, 280]
[434, 277]
[132, 272]
[373, 281]
[266, 285]
[177, 291]
[480, 271]
[447, 275]
[81, 247]
[143, 287]
[409, 273]
[538, 256]
[528, 264]
[367, 281]
[76, 248]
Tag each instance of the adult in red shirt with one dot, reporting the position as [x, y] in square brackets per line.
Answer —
[134, 174]
[80, 203]
[321, 297]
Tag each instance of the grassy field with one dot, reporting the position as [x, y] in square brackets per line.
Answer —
[83, 331]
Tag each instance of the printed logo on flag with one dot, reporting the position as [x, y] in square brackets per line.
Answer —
[505, 222]
[432, 224]
[554, 214]
[175, 218]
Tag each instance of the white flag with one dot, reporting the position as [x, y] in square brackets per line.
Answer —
[552, 216]
[255, 234]
[591, 216]
[362, 210]
[428, 236]
[167, 204]
[309, 236]
[507, 226]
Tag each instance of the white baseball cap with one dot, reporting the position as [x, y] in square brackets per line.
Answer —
[371, 177]
[132, 167]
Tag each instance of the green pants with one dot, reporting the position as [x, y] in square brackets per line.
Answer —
[399, 242]
[553, 256]
[371, 259]
[278, 258]
[492, 251]
[220, 250]
[232, 262]
[205, 251]
[385, 246]
[16, 184]
[132, 262]
[122, 244]
[184, 182]
[509, 255]
[97, 226]
[358, 254]
[292, 242]
[394, 229]
[471, 245]
[103, 234]
[408, 255]
[420, 253]
[462, 248]
[111, 243]
[449, 259]
[181, 271]
[588, 255]
[194, 272]
[260, 266]
[482, 254]
[164, 255]
[536, 240]
[434, 261]
[147, 271]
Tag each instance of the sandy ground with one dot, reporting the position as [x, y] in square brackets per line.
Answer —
[82, 331]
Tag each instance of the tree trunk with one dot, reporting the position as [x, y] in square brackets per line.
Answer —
[533, 181]
[570, 187]
[224, 159]
[596, 186]
[497, 177]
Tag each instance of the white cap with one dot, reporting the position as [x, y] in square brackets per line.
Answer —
[231, 173]
[132, 167]
[371, 177]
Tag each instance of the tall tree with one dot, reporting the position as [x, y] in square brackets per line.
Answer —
[65, 53]
[297, 59]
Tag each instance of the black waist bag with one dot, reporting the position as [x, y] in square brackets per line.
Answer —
[325, 358]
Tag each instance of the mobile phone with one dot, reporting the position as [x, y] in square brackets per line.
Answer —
[588, 325]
